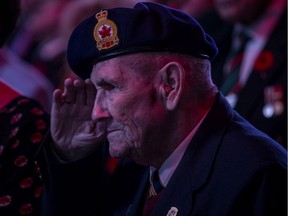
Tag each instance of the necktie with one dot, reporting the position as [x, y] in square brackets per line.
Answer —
[154, 194]
[155, 184]
[233, 65]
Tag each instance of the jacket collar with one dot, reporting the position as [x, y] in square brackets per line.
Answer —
[196, 164]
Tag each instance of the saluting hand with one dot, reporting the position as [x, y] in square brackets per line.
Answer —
[74, 133]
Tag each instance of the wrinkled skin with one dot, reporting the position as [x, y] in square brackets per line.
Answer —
[131, 106]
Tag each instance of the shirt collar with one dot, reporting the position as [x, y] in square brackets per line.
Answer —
[170, 164]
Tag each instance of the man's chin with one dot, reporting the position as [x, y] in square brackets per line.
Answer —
[118, 152]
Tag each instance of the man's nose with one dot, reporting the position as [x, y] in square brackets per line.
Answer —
[100, 111]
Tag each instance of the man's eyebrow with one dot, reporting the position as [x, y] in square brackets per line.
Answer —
[105, 81]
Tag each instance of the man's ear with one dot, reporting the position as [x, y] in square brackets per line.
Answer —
[171, 87]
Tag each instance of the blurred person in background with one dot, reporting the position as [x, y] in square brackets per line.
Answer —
[25, 78]
[41, 37]
[22, 75]
[23, 125]
[195, 8]
[38, 24]
[255, 80]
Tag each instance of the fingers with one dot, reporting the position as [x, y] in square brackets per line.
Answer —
[57, 98]
[80, 96]
[75, 92]
[68, 95]
[91, 92]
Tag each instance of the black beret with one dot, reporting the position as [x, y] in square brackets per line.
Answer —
[148, 27]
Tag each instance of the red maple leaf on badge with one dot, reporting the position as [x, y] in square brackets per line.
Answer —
[105, 31]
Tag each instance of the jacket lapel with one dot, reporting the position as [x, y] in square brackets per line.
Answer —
[138, 199]
[196, 164]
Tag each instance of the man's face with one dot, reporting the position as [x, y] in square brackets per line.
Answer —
[129, 104]
[243, 11]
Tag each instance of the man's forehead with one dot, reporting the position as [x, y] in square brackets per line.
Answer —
[108, 69]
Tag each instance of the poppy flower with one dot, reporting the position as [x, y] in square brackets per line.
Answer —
[5, 200]
[36, 137]
[16, 118]
[26, 182]
[40, 124]
[26, 209]
[264, 62]
[38, 192]
[21, 161]
[37, 111]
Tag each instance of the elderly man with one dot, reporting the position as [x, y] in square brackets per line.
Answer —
[148, 99]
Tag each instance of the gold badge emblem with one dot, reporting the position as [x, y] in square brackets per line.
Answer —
[105, 31]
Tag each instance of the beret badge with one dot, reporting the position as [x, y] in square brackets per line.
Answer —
[105, 31]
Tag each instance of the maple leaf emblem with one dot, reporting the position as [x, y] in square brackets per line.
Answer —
[105, 31]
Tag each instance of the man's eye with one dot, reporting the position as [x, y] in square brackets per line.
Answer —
[108, 86]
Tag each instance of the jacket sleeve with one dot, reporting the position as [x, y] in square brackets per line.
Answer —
[74, 188]
[265, 194]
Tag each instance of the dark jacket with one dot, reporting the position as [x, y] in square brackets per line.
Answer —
[229, 169]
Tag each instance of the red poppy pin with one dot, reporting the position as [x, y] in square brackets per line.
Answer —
[264, 62]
